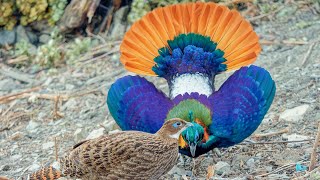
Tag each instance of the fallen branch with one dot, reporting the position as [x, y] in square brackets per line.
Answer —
[276, 142]
[306, 56]
[15, 95]
[285, 42]
[18, 59]
[284, 167]
[314, 150]
[6, 71]
[285, 130]
[264, 15]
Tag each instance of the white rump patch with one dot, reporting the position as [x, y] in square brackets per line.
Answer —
[188, 83]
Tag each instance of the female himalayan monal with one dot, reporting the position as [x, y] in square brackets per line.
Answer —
[124, 155]
[188, 45]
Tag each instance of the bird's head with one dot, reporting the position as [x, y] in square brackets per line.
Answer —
[193, 136]
[174, 127]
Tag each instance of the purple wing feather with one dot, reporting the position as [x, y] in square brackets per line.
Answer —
[239, 106]
[136, 104]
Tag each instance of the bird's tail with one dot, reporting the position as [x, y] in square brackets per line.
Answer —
[45, 173]
[193, 38]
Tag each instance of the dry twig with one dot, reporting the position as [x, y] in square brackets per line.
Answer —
[285, 130]
[11, 97]
[306, 56]
[314, 150]
[265, 15]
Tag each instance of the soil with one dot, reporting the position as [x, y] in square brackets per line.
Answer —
[34, 129]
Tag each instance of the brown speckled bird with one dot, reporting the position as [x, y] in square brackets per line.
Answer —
[124, 155]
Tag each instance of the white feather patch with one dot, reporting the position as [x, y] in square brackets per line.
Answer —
[188, 83]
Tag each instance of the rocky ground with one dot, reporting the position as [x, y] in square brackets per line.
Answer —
[60, 108]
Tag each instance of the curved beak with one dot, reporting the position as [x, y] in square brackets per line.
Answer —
[189, 124]
[193, 148]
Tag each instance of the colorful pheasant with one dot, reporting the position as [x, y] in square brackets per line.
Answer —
[124, 155]
[188, 45]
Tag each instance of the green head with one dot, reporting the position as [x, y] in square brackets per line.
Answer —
[193, 135]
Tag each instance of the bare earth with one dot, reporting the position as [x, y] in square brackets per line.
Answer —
[29, 126]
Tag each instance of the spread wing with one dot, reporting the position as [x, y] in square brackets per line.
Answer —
[136, 104]
[239, 106]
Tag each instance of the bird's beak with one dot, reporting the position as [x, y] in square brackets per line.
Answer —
[193, 148]
[189, 124]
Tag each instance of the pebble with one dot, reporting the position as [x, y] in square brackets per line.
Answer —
[295, 137]
[78, 135]
[34, 167]
[294, 114]
[95, 133]
[109, 125]
[70, 104]
[8, 85]
[177, 170]
[250, 163]
[7, 37]
[32, 126]
[222, 168]
[47, 145]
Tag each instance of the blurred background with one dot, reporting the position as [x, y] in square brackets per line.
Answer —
[58, 59]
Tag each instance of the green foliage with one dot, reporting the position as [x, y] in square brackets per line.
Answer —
[54, 53]
[182, 110]
[50, 55]
[78, 47]
[142, 7]
[28, 11]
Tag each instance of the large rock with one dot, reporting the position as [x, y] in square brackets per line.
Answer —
[95, 133]
[222, 168]
[294, 114]
[7, 37]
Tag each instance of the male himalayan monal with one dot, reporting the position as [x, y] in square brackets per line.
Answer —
[188, 45]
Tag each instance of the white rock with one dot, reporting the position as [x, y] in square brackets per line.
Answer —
[176, 170]
[295, 137]
[78, 135]
[294, 114]
[95, 133]
[47, 145]
[34, 167]
[250, 163]
[114, 131]
[109, 125]
[32, 126]
[222, 168]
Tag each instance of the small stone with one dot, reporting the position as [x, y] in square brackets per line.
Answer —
[34, 167]
[5, 168]
[250, 163]
[69, 86]
[70, 104]
[22, 34]
[295, 137]
[176, 170]
[95, 133]
[7, 37]
[78, 135]
[15, 157]
[32, 126]
[8, 85]
[47, 145]
[44, 38]
[114, 131]
[109, 125]
[222, 168]
[294, 114]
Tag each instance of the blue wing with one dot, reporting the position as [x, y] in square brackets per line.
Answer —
[239, 106]
[136, 104]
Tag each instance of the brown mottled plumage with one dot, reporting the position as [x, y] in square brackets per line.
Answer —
[124, 155]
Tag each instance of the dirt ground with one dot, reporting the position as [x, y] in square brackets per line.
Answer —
[37, 126]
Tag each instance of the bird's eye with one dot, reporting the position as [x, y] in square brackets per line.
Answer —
[176, 124]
